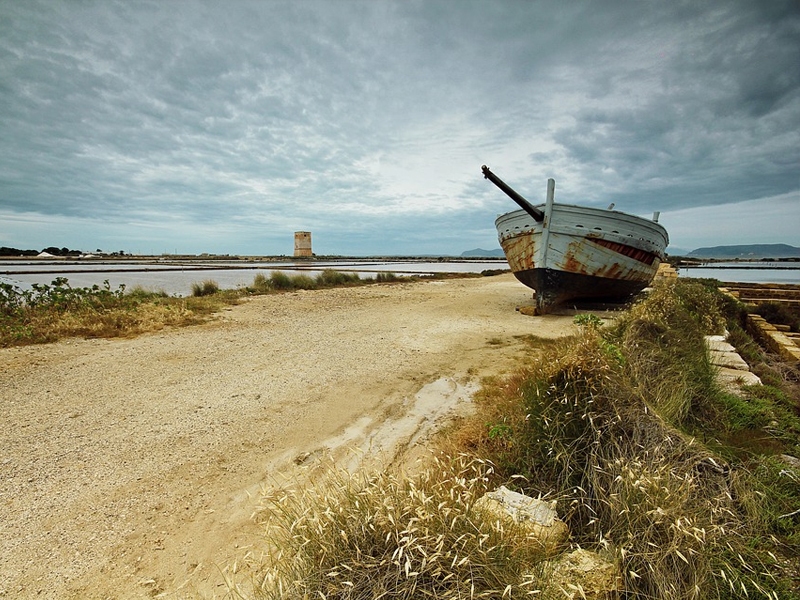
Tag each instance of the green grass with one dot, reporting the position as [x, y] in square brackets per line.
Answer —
[208, 287]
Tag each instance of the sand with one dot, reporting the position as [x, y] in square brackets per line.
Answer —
[130, 468]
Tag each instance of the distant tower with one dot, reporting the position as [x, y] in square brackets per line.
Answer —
[302, 243]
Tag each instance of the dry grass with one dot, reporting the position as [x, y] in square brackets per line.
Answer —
[51, 312]
[384, 535]
[207, 287]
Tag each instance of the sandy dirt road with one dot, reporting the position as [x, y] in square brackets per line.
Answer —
[130, 468]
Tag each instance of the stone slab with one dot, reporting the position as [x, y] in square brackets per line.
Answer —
[718, 345]
[733, 379]
[729, 360]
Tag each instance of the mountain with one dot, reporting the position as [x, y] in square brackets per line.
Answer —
[481, 253]
[748, 251]
[677, 251]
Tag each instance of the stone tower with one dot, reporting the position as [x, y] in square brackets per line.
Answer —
[302, 243]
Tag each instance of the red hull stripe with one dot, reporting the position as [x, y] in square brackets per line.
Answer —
[641, 255]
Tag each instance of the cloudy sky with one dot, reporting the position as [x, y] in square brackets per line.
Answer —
[223, 127]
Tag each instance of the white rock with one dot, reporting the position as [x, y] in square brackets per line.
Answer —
[537, 517]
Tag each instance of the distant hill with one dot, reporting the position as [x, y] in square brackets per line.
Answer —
[677, 251]
[481, 253]
[751, 251]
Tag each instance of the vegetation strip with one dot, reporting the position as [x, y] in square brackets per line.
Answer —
[47, 313]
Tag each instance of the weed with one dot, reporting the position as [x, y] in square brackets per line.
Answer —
[261, 284]
[588, 320]
[744, 344]
[601, 435]
[281, 281]
[303, 282]
[385, 277]
[205, 288]
[779, 314]
[330, 278]
[46, 313]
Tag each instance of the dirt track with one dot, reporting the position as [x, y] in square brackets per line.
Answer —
[130, 468]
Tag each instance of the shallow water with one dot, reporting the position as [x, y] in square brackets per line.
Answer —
[176, 278]
[733, 272]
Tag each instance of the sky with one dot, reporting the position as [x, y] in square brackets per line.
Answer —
[187, 127]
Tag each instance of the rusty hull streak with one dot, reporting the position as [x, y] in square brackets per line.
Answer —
[582, 253]
[519, 252]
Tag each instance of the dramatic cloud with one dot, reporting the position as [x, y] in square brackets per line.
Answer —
[224, 127]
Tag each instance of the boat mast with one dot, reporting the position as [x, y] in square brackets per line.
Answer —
[534, 212]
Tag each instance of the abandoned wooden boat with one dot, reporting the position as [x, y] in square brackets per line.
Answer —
[569, 253]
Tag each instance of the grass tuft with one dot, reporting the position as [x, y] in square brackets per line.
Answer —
[205, 288]
[390, 536]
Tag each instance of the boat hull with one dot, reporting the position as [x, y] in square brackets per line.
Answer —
[579, 253]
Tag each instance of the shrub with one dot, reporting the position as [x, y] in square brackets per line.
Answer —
[205, 288]
[261, 284]
[624, 479]
[331, 278]
[779, 314]
[140, 293]
[46, 313]
[385, 277]
[281, 281]
[302, 281]
[600, 435]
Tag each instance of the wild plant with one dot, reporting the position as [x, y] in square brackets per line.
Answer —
[600, 435]
[45, 313]
[281, 281]
[386, 535]
[261, 284]
[205, 288]
[331, 278]
[301, 281]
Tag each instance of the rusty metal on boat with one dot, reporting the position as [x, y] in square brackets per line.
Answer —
[568, 253]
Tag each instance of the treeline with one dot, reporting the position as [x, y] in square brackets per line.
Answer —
[6, 251]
